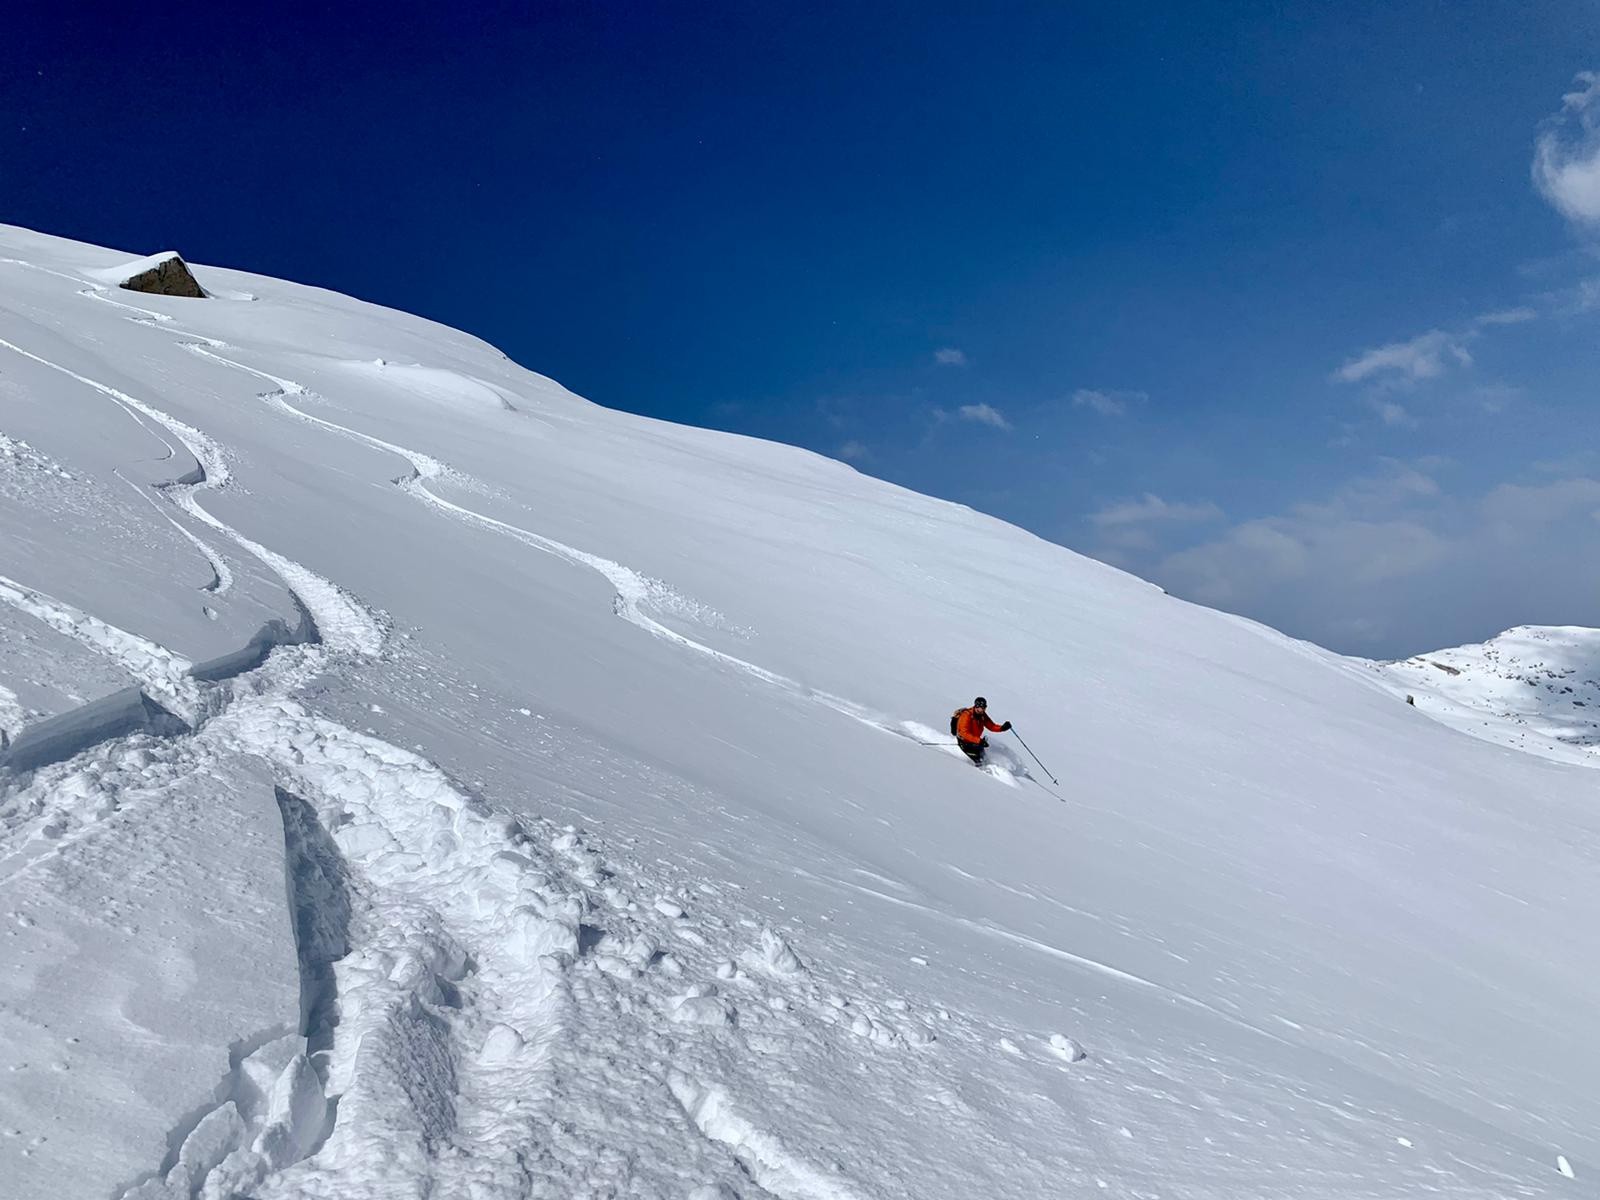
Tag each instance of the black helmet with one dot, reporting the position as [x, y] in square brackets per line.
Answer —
[980, 702]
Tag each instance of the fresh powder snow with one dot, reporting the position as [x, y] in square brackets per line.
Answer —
[421, 782]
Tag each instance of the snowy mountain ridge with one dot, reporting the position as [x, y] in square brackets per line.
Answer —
[1535, 687]
[624, 853]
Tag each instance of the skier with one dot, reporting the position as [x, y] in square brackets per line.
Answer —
[968, 725]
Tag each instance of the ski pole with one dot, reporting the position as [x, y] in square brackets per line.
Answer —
[1034, 756]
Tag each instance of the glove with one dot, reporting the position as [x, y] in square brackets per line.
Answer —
[1005, 727]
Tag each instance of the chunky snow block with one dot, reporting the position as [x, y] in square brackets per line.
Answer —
[60, 737]
[254, 652]
[164, 275]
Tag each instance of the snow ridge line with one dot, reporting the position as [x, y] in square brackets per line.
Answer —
[343, 622]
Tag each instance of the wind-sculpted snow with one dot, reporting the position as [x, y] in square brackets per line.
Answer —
[444, 386]
[447, 883]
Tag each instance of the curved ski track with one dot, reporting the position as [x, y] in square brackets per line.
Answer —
[635, 592]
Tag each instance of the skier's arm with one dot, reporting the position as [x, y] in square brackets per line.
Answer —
[992, 727]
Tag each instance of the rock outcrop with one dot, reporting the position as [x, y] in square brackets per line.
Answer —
[169, 276]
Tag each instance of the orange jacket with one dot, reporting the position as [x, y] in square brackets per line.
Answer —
[970, 724]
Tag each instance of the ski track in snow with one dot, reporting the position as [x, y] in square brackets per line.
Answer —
[221, 574]
[348, 625]
[635, 592]
[163, 674]
[400, 1072]
[93, 291]
[145, 315]
[343, 623]
[434, 937]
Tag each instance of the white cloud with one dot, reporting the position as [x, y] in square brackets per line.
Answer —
[1107, 404]
[1566, 157]
[1506, 316]
[1520, 507]
[854, 451]
[1392, 414]
[1138, 525]
[1497, 397]
[984, 414]
[1391, 563]
[1313, 552]
[1423, 357]
[950, 356]
[1585, 297]
[1402, 365]
[1151, 507]
[1573, 300]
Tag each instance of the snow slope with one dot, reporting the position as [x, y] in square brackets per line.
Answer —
[1535, 687]
[522, 798]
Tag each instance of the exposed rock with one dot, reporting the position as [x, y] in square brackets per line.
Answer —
[168, 277]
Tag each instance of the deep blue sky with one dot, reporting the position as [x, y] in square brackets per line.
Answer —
[1150, 243]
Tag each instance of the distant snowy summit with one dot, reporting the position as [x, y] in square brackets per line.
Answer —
[1535, 688]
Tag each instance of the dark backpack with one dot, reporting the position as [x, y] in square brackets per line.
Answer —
[955, 719]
